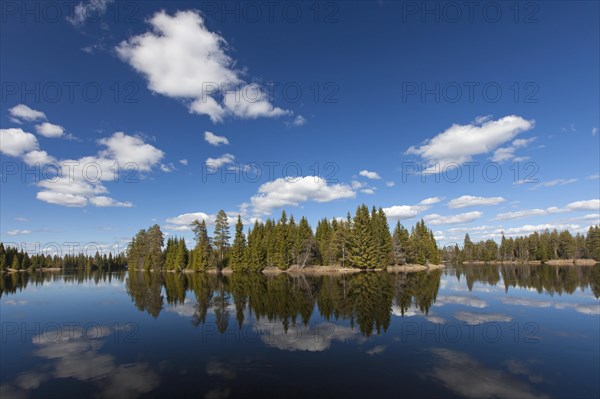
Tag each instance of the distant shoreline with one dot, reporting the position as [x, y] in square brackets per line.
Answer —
[553, 262]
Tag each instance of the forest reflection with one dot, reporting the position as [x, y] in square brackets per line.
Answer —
[364, 299]
[543, 278]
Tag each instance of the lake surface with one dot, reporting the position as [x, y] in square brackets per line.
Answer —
[464, 332]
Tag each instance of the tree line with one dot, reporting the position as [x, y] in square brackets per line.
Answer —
[11, 258]
[542, 247]
[363, 241]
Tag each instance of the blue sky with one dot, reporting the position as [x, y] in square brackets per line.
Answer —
[387, 102]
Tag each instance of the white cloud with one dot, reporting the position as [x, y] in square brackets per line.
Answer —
[23, 112]
[215, 163]
[250, 102]
[21, 219]
[594, 131]
[465, 300]
[430, 201]
[16, 142]
[299, 120]
[103, 201]
[215, 140]
[18, 232]
[83, 11]
[589, 205]
[183, 221]
[48, 129]
[390, 183]
[182, 59]
[469, 200]
[520, 214]
[293, 191]
[81, 181]
[435, 219]
[479, 318]
[403, 211]
[507, 153]
[593, 177]
[183, 162]
[167, 167]
[369, 174]
[131, 149]
[528, 229]
[40, 158]
[369, 191]
[60, 198]
[459, 143]
[555, 182]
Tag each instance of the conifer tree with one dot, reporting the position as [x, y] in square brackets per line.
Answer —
[221, 236]
[239, 250]
[401, 243]
[362, 246]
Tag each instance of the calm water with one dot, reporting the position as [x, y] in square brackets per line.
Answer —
[466, 331]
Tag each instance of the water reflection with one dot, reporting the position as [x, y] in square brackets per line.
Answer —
[365, 300]
[235, 335]
[79, 357]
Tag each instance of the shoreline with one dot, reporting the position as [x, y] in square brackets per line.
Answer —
[553, 262]
[317, 270]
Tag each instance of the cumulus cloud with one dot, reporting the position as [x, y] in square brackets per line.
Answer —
[48, 129]
[469, 200]
[390, 183]
[588, 205]
[131, 149]
[197, 69]
[22, 112]
[183, 162]
[80, 181]
[403, 211]
[294, 191]
[215, 140]
[459, 143]
[410, 211]
[369, 174]
[435, 219]
[16, 142]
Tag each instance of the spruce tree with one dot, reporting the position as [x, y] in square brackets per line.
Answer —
[238, 254]
[362, 247]
[221, 236]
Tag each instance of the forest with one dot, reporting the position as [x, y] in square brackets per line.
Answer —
[363, 242]
[13, 259]
[542, 247]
